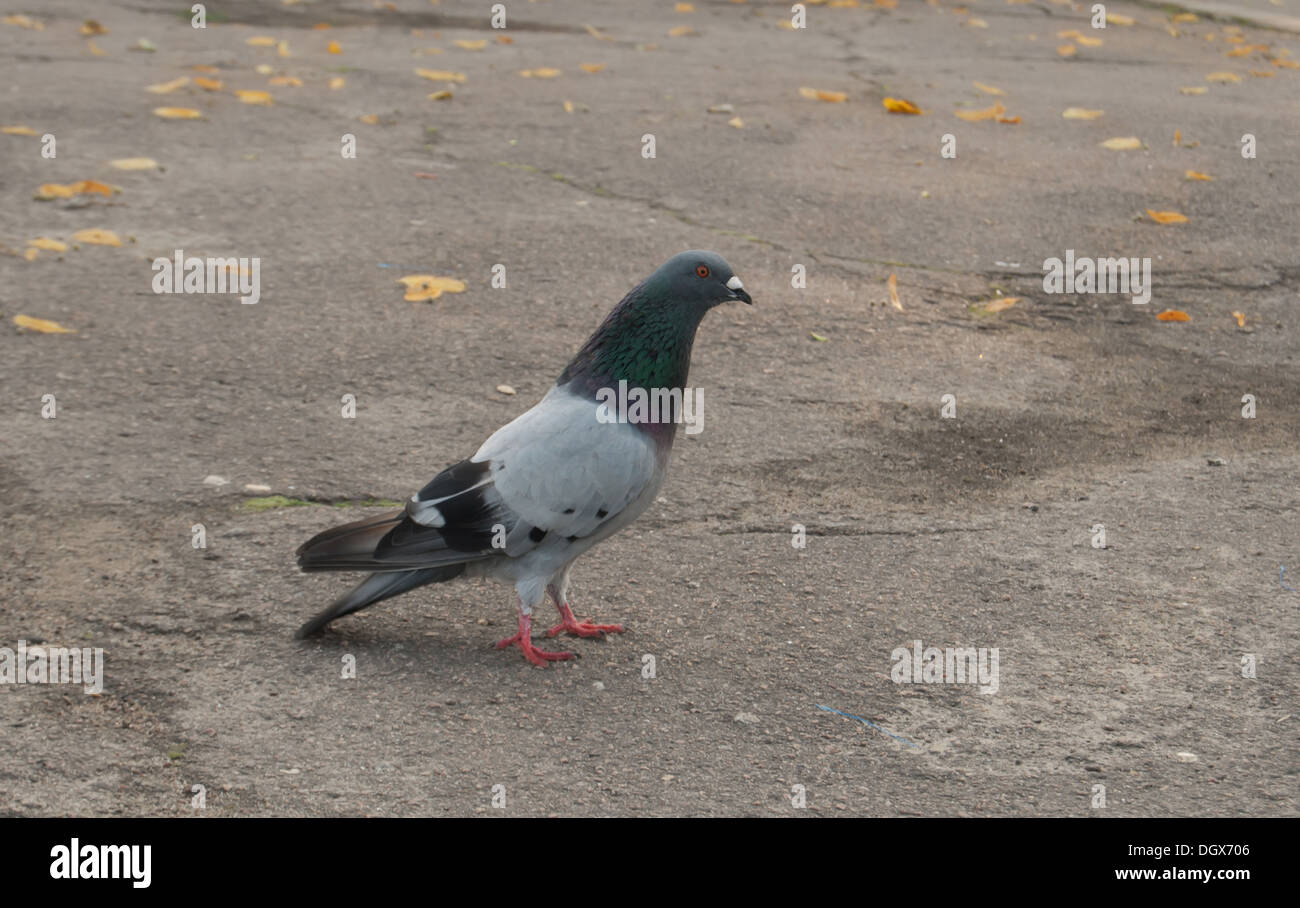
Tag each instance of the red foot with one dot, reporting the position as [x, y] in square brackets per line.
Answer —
[524, 641]
[571, 625]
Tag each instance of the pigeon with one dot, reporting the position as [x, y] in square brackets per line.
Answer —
[560, 478]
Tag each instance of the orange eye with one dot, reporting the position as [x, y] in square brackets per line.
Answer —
[702, 270]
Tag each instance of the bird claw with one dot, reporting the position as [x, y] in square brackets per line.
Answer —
[571, 625]
[523, 639]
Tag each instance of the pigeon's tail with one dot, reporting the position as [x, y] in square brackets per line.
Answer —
[376, 588]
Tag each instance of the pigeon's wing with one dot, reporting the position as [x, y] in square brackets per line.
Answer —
[556, 469]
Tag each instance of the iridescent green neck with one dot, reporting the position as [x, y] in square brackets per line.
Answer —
[646, 341]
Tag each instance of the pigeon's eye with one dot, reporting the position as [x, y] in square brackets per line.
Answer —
[702, 270]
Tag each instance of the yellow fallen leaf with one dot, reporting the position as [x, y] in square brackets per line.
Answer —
[1088, 41]
[680, 31]
[1117, 19]
[18, 131]
[23, 22]
[264, 69]
[164, 88]
[337, 82]
[134, 163]
[817, 94]
[49, 191]
[1073, 34]
[1173, 315]
[1000, 303]
[505, 39]
[568, 107]
[1197, 175]
[205, 69]
[49, 245]
[591, 67]
[1126, 143]
[1015, 119]
[545, 72]
[1186, 17]
[1081, 113]
[900, 106]
[470, 45]
[208, 84]
[96, 237]
[254, 96]
[369, 119]
[91, 27]
[684, 8]
[1194, 90]
[1178, 137]
[1246, 50]
[444, 95]
[1067, 50]
[1263, 73]
[736, 122]
[440, 75]
[1286, 64]
[45, 326]
[287, 81]
[988, 113]
[1167, 217]
[261, 41]
[1241, 319]
[422, 287]
[31, 255]
[1223, 77]
[988, 89]
[177, 113]
[893, 293]
[282, 49]
[334, 47]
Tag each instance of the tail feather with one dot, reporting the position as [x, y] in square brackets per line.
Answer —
[391, 542]
[376, 588]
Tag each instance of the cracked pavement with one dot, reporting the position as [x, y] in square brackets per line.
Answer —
[1071, 411]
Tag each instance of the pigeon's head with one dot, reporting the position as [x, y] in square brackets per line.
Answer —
[699, 279]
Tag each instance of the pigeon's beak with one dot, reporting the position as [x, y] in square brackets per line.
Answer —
[738, 290]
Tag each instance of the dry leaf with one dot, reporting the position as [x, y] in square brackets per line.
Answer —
[441, 75]
[423, 287]
[1167, 217]
[1081, 113]
[337, 82]
[1067, 50]
[988, 113]
[261, 41]
[470, 45]
[287, 81]
[1127, 143]
[134, 163]
[205, 69]
[444, 95]
[49, 191]
[1117, 19]
[254, 96]
[264, 69]
[1194, 90]
[177, 113]
[334, 47]
[164, 88]
[30, 255]
[1087, 41]
[1196, 175]
[591, 67]
[544, 72]
[1241, 319]
[208, 84]
[988, 89]
[23, 22]
[736, 122]
[91, 27]
[45, 326]
[680, 31]
[568, 107]
[1173, 315]
[369, 119]
[1223, 77]
[283, 49]
[899, 106]
[1015, 119]
[893, 293]
[684, 8]
[816, 94]
[506, 389]
[96, 237]
[18, 131]
[1002, 302]
[1186, 17]
[49, 245]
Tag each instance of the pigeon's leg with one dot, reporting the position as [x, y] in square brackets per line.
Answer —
[559, 593]
[523, 639]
